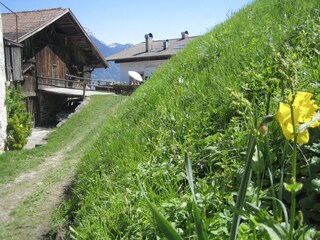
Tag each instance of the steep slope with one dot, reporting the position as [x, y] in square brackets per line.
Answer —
[202, 106]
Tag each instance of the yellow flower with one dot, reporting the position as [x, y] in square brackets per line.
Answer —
[307, 107]
[304, 116]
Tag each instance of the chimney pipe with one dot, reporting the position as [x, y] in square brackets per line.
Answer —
[184, 34]
[165, 44]
[148, 38]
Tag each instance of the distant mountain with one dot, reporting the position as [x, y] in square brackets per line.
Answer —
[113, 72]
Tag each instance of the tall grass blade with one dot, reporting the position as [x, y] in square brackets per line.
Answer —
[73, 233]
[270, 171]
[285, 213]
[243, 187]
[163, 224]
[202, 235]
[189, 174]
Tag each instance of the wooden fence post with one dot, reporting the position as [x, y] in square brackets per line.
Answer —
[84, 89]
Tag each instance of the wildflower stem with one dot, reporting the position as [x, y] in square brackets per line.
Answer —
[270, 171]
[283, 158]
[293, 193]
[294, 175]
[259, 187]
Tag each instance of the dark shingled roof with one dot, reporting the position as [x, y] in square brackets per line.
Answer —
[138, 52]
[32, 22]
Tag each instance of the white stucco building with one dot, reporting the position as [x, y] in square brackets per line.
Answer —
[3, 112]
[147, 56]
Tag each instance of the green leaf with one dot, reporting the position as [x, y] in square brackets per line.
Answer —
[163, 224]
[275, 230]
[257, 163]
[316, 184]
[293, 187]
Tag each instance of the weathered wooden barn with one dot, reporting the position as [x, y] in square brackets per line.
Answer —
[44, 47]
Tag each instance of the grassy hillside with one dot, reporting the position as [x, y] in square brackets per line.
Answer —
[203, 106]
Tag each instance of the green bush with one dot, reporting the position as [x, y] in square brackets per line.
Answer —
[19, 120]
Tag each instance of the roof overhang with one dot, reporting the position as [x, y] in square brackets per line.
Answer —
[160, 50]
[73, 29]
[64, 20]
[140, 59]
[10, 43]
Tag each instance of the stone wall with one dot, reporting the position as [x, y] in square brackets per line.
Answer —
[3, 112]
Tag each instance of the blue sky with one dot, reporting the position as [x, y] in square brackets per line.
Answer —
[127, 21]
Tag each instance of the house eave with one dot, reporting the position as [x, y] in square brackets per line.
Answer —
[141, 59]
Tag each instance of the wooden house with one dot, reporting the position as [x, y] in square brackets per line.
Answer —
[52, 45]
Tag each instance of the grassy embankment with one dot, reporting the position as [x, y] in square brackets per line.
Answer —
[204, 103]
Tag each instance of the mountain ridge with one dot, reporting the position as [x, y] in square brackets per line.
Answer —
[113, 72]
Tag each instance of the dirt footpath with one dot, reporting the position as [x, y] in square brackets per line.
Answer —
[33, 184]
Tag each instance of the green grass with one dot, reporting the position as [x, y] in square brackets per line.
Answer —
[82, 125]
[201, 102]
[31, 217]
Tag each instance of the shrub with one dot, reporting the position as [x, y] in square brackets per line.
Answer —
[19, 120]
